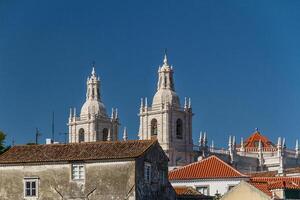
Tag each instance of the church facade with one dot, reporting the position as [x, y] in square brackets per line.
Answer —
[93, 122]
[256, 153]
[166, 120]
[170, 122]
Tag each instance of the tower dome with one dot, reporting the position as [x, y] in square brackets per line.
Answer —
[93, 107]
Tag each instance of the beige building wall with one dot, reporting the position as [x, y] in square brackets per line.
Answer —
[245, 191]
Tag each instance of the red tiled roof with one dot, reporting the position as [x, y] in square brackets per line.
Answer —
[253, 140]
[262, 186]
[186, 191]
[211, 167]
[283, 185]
[277, 178]
[267, 184]
[190, 193]
[76, 151]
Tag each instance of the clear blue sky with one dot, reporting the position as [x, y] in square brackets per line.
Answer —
[239, 61]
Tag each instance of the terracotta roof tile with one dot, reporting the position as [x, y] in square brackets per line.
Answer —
[277, 178]
[262, 186]
[256, 137]
[211, 167]
[76, 151]
[190, 193]
[267, 184]
[186, 191]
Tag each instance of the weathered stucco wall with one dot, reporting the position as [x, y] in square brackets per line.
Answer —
[245, 191]
[157, 189]
[106, 180]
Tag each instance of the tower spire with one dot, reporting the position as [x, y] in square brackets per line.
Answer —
[93, 68]
[165, 57]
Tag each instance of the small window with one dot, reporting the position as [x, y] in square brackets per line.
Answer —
[179, 129]
[78, 172]
[81, 135]
[203, 189]
[30, 187]
[105, 134]
[153, 127]
[230, 187]
[147, 172]
[163, 176]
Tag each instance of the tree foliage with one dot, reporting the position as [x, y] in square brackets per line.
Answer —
[2, 142]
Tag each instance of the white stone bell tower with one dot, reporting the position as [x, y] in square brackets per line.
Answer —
[166, 121]
[93, 123]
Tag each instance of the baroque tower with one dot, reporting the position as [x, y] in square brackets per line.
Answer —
[166, 121]
[93, 123]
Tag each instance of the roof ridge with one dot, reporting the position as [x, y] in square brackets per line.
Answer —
[230, 170]
[191, 164]
[81, 143]
[77, 151]
[230, 166]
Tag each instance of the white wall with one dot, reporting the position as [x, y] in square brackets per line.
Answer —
[220, 185]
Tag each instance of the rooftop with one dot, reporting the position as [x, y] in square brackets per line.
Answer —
[76, 151]
[190, 193]
[254, 138]
[267, 184]
[211, 167]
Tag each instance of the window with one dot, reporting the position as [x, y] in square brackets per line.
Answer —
[179, 129]
[30, 187]
[105, 134]
[203, 189]
[153, 127]
[230, 187]
[147, 172]
[163, 176]
[81, 135]
[78, 172]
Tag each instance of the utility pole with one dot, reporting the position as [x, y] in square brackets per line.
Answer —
[37, 135]
[65, 134]
[52, 127]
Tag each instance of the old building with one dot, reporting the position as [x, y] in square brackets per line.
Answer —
[264, 188]
[167, 120]
[209, 176]
[85, 171]
[256, 153]
[93, 123]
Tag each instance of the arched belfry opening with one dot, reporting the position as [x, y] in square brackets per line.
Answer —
[81, 135]
[105, 134]
[154, 127]
[179, 129]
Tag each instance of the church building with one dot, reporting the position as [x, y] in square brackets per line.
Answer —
[93, 123]
[166, 120]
